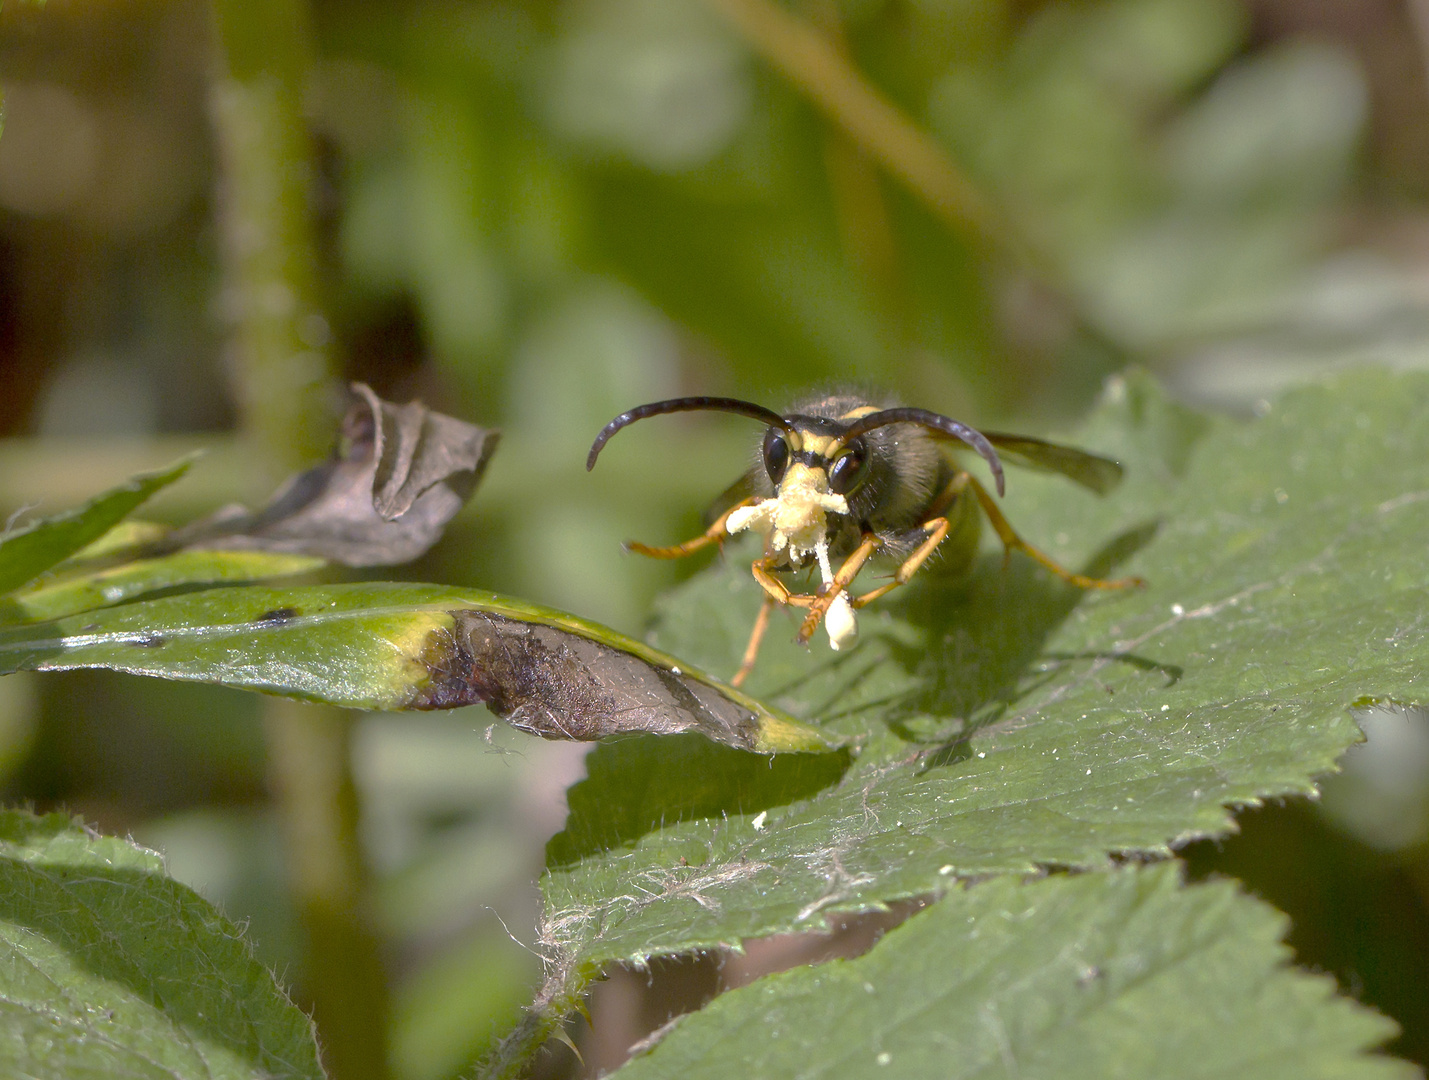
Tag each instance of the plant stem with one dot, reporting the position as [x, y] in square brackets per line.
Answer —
[279, 369]
[859, 202]
[817, 67]
[283, 377]
[309, 755]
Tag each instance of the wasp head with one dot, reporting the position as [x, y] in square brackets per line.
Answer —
[813, 471]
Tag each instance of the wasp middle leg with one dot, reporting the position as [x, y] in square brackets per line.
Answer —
[775, 592]
[751, 650]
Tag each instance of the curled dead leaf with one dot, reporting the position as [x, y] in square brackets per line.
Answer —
[400, 474]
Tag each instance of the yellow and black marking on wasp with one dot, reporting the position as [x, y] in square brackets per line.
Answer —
[840, 479]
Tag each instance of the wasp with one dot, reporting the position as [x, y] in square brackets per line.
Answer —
[840, 479]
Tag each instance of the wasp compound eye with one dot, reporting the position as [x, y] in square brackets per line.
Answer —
[776, 454]
[849, 468]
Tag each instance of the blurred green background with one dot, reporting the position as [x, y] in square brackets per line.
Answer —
[536, 215]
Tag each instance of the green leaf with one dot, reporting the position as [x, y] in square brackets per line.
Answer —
[1084, 976]
[1007, 722]
[674, 778]
[389, 646]
[85, 590]
[111, 968]
[27, 554]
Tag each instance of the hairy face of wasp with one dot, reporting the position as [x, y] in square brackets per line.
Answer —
[828, 482]
[847, 471]
[810, 474]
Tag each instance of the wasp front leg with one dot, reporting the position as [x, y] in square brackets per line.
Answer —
[842, 579]
[715, 534]
[936, 530]
[1012, 542]
[775, 592]
[774, 589]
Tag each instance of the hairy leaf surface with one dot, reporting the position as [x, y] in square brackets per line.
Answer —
[1072, 977]
[112, 968]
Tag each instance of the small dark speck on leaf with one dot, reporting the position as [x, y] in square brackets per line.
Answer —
[150, 641]
[277, 616]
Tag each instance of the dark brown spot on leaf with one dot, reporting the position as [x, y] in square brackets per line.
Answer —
[560, 685]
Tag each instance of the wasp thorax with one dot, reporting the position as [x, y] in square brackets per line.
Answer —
[795, 519]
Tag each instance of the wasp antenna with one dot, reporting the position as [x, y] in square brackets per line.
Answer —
[686, 404]
[934, 422]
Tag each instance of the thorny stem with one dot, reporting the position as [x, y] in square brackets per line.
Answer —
[560, 996]
[282, 377]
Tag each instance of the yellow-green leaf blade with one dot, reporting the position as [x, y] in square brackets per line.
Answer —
[392, 646]
[87, 590]
[28, 553]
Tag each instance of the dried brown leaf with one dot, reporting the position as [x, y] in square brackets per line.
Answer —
[400, 474]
